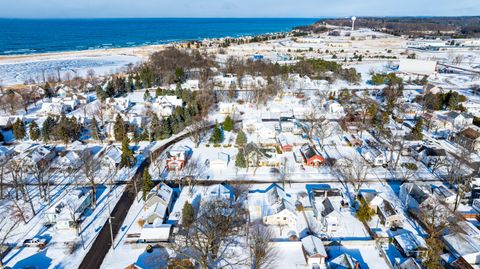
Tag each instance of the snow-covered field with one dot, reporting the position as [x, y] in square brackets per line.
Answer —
[17, 72]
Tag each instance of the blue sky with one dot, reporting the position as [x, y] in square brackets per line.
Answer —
[233, 8]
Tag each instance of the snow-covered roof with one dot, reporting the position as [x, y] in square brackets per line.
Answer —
[409, 263]
[461, 244]
[410, 242]
[469, 229]
[271, 200]
[343, 261]
[112, 153]
[220, 191]
[156, 232]
[313, 246]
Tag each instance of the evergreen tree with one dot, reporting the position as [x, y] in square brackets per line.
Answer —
[155, 127]
[240, 160]
[34, 131]
[416, 133]
[119, 130]
[18, 129]
[101, 94]
[127, 159]
[188, 214]
[48, 128]
[241, 138]
[62, 131]
[147, 183]
[110, 90]
[166, 129]
[228, 124]
[217, 135]
[74, 129]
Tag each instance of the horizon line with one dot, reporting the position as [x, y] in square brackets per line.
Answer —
[253, 17]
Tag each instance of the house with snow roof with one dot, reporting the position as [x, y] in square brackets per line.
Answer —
[387, 214]
[159, 203]
[314, 251]
[273, 206]
[110, 156]
[177, 157]
[409, 263]
[344, 261]
[219, 192]
[409, 244]
[36, 155]
[373, 155]
[70, 160]
[462, 249]
[66, 213]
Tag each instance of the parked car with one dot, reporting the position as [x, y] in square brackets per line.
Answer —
[35, 242]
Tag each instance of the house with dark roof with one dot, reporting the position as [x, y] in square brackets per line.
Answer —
[414, 196]
[468, 138]
[311, 156]
[430, 155]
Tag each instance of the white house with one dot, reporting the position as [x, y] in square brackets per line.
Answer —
[459, 120]
[159, 202]
[387, 214]
[220, 164]
[373, 155]
[273, 206]
[69, 160]
[66, 213]
[220, 192]
[110, 155]
[409, 244]
[227, 108]
[334, 110]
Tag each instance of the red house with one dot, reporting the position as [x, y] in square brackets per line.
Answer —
[284, 143]
[311, 156]
[177, 157]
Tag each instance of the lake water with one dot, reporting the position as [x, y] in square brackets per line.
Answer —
[27, 36]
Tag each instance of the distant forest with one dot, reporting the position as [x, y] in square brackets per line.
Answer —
[455, 27]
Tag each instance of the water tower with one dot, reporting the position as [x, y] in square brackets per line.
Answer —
[353, 22]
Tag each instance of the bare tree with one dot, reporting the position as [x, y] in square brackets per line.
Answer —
[89, 168]
[198, 131]
[41, 172]
[354, 170]
[7, 227]
[194, 169]
[263, 254]
[212, 238]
